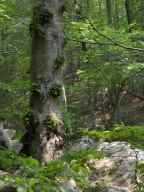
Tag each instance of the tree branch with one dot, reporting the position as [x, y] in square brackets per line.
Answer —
[88, 42]
[8, 51]
[119, 44]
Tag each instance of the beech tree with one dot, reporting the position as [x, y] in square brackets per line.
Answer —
[44, 137]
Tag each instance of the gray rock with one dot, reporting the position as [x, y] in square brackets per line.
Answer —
[6, 139]
[140, 155]
[10, 132]
[83, 143]
[119, 149]
[119, 169]
[69, 186]
[116, 189]
[16, 146]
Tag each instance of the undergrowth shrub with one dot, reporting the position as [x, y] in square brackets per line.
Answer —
[27, 175]
[140, 171]
[132, 134]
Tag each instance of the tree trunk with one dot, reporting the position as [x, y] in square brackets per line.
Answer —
[44, 137]
[116, 14]
[141, 14]
[129, 13]
[8, 189]
[109, 12]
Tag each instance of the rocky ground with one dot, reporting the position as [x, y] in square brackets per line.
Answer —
[116, 171]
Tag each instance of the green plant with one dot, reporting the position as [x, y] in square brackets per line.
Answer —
[132, 134]
[26, 174]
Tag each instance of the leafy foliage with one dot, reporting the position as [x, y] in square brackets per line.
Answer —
[27, 174]
[132, 134]
[140, 187]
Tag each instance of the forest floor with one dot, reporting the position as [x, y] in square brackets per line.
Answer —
[95, 161]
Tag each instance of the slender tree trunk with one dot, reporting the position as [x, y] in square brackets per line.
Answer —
[142, 14]
[44, 138]
[109, 12]
[129, 13]
[116, 14]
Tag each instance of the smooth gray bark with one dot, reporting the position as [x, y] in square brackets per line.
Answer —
[44, 138]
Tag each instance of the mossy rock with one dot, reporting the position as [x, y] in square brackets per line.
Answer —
[131, 134]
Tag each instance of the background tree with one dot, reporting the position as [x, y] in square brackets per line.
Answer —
[109, 12]
[103, 66]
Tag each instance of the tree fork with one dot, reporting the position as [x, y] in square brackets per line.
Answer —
[45, 132]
